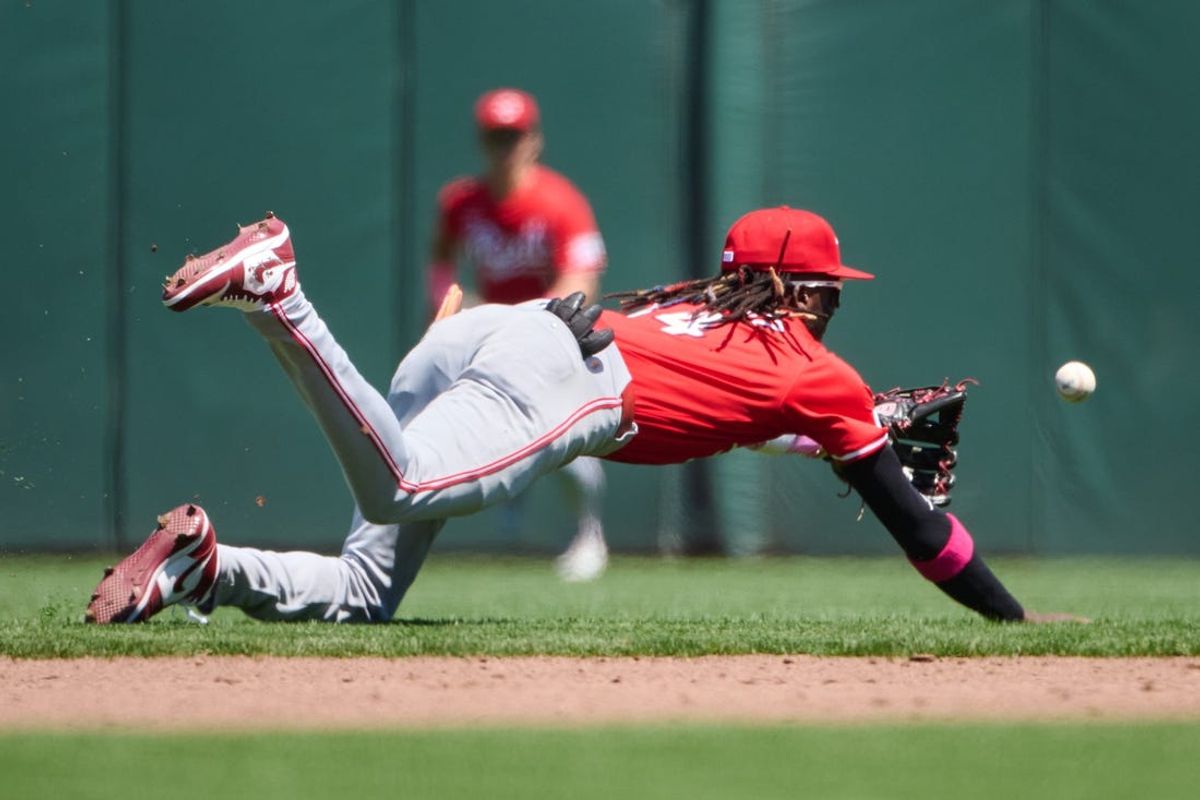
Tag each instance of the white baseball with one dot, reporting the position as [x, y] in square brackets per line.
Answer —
[1075, 381]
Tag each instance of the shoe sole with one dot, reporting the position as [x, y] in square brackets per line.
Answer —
[126, 592]
[210, 278]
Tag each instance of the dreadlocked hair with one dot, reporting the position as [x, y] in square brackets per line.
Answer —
[733, 295]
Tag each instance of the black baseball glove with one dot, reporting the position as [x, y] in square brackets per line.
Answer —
[581, 321]
[923, 424]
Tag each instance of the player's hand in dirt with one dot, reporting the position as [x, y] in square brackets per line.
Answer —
[581, 321]
[1054, 616]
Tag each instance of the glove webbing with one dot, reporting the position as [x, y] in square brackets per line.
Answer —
[924, 423]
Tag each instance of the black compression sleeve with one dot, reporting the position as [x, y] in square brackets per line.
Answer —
[917, 528]
[922, 532]
[978, 589]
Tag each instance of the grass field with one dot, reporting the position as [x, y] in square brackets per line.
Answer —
[516, 606]
[504, 606]
[922, 761]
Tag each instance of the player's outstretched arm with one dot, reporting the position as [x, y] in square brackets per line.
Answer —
[936, 543]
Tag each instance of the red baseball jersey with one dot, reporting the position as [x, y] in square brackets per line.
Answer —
[520, 244]
[700, 390]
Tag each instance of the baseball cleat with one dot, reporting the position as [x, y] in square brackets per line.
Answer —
[176, 564]
[585, 559]
[254, 270]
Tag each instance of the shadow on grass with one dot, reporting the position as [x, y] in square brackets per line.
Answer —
[451, 622]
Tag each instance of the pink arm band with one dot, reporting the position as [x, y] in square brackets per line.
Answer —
[954, 556]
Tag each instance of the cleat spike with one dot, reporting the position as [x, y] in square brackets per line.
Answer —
[190, 257]
[191, 510]
[95, 596]
[270, 215]
[163, 519]
[108, 571]
[89, 616]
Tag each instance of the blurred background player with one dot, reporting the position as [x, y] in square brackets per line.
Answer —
[528, 233]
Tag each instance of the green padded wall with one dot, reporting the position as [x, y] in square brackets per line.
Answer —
[344, 119]
[55, 81]
[293, 113]
[1018, 173]
[1121, 278]
[907, 125]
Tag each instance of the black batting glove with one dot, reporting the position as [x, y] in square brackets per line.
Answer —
[581, 321]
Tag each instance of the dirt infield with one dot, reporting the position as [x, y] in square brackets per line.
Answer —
[242, 692]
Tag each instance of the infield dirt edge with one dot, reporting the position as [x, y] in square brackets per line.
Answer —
[269, 693]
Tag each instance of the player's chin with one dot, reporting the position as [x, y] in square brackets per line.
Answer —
[816, 325]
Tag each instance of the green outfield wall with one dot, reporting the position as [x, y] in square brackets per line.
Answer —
[1020, 174]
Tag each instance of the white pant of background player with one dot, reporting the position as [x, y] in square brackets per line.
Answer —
[582, 482]
[488, 401]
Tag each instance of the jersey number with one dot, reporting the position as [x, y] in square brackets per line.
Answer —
[685, 323]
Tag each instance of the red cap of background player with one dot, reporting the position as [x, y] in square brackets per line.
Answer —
[507, 108]
[789, 239]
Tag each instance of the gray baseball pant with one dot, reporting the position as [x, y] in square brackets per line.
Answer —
[489, 400]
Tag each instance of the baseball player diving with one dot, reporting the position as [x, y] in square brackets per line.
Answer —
[528, 233]
[495, 396]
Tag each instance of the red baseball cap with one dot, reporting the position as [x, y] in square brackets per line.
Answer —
[507, 108]
[789, 239]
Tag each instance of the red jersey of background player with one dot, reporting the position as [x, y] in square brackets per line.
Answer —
[701, 390]
[522, 243]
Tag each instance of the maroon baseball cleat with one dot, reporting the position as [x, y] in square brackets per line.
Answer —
[256, 269]
[177, 564]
